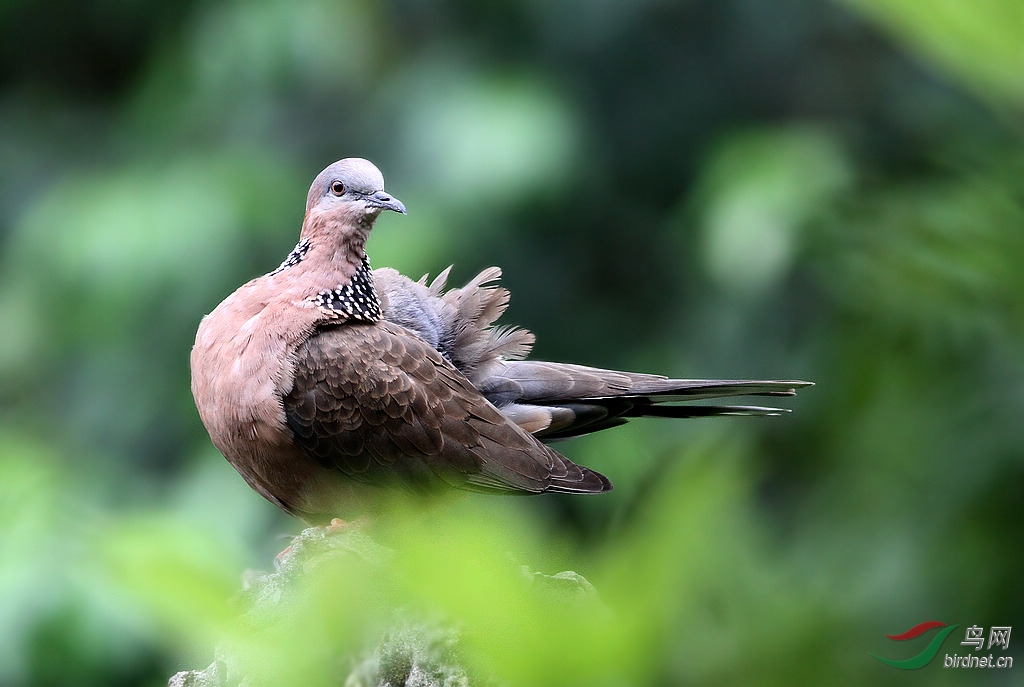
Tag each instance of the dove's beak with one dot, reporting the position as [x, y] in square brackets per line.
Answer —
[382, 200]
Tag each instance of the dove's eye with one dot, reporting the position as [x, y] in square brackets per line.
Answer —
[338, 188]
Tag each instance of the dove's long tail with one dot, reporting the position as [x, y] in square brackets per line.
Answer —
[557, 401]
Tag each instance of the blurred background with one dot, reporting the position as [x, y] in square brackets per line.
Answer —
[795, 189]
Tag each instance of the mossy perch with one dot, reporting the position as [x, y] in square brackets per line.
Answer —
[412, 652]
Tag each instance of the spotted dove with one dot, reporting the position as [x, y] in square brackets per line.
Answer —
[324, 380]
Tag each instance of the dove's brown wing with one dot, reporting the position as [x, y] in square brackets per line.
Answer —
[381, 405]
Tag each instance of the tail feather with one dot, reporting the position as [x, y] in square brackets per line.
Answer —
[684, 411]
[573, 425]
[557, 401]
[542, 382]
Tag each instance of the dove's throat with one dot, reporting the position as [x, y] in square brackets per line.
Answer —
[357, 299]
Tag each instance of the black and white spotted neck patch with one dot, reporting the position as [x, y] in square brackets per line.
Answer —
[357, 299]
[295, 257]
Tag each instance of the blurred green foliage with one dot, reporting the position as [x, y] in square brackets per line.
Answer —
[979, 44]
[795, 189]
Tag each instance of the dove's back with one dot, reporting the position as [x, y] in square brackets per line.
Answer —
[550, 400]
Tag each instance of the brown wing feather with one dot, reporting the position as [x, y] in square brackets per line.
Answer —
[381, 405]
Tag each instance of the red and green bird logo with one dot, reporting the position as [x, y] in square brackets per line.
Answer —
[927, 654]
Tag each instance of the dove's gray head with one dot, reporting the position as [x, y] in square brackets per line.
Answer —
[351, 189]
